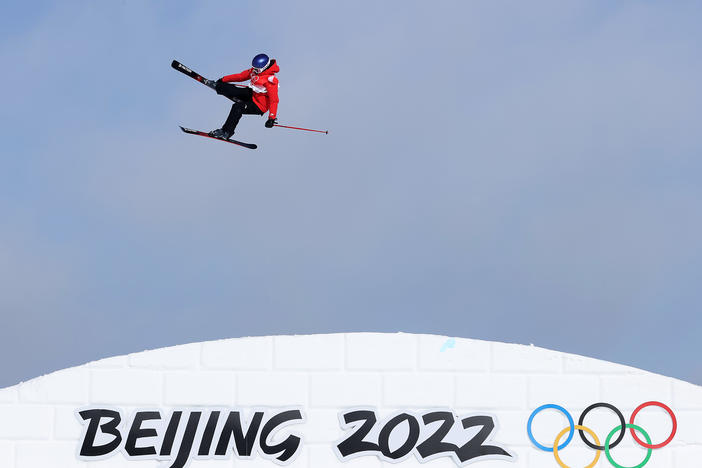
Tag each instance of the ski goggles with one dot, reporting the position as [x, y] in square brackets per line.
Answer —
[260, 70]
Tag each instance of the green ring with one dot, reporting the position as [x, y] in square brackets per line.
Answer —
[617, 429]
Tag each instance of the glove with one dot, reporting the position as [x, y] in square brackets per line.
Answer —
[271, 122]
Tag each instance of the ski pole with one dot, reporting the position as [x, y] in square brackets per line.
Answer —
[305, 129]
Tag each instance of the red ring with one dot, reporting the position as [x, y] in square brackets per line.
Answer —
[672, 416]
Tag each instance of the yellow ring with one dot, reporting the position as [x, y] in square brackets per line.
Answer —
[577, 428]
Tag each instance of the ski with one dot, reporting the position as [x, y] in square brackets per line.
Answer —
[192, 74]
[197, 77]
[204, 134]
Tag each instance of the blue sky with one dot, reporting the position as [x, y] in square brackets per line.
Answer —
[503, 170]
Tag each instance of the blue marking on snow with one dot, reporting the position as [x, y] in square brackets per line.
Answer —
[450, 343]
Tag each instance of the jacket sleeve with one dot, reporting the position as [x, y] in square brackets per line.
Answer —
[243, 76]
[272, 90]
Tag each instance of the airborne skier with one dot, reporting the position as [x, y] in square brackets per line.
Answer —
[259, 97]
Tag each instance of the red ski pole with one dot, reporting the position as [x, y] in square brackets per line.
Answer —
[305, 129]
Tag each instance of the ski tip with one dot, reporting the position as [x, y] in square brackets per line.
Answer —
[175, 64]
[252, 146]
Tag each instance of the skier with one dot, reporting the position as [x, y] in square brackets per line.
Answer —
[259, 97]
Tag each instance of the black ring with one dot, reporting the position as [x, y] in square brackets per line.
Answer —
[621, 420]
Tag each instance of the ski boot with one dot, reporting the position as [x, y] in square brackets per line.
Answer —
[220, 133]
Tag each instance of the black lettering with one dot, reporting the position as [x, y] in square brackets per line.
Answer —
[169, 438]
[244, 443]
[354, 443]
[136, 433]
[412, 436]
[206, 442]
[434, 444]
[187, 443]
[88, 448]
[474, 448]
[289, 446]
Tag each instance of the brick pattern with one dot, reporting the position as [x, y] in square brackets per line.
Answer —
[324, 374]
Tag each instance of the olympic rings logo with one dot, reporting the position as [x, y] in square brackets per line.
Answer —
[608, 444]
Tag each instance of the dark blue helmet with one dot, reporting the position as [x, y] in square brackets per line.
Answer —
[260, 62]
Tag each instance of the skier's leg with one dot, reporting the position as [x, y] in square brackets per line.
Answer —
[238, 109]
[234, 92]
[230, 124]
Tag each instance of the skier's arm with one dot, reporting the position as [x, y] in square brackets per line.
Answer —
[243, 76]
[272, 97]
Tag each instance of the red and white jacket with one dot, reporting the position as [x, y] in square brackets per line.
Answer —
[264, 86]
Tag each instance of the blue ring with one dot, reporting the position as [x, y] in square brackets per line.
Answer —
[570, 422]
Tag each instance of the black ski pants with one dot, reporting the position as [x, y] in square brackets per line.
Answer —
[243, 104]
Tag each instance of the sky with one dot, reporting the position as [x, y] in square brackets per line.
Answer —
[515, 171]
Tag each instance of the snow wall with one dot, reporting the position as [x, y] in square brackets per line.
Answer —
[350, 400]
